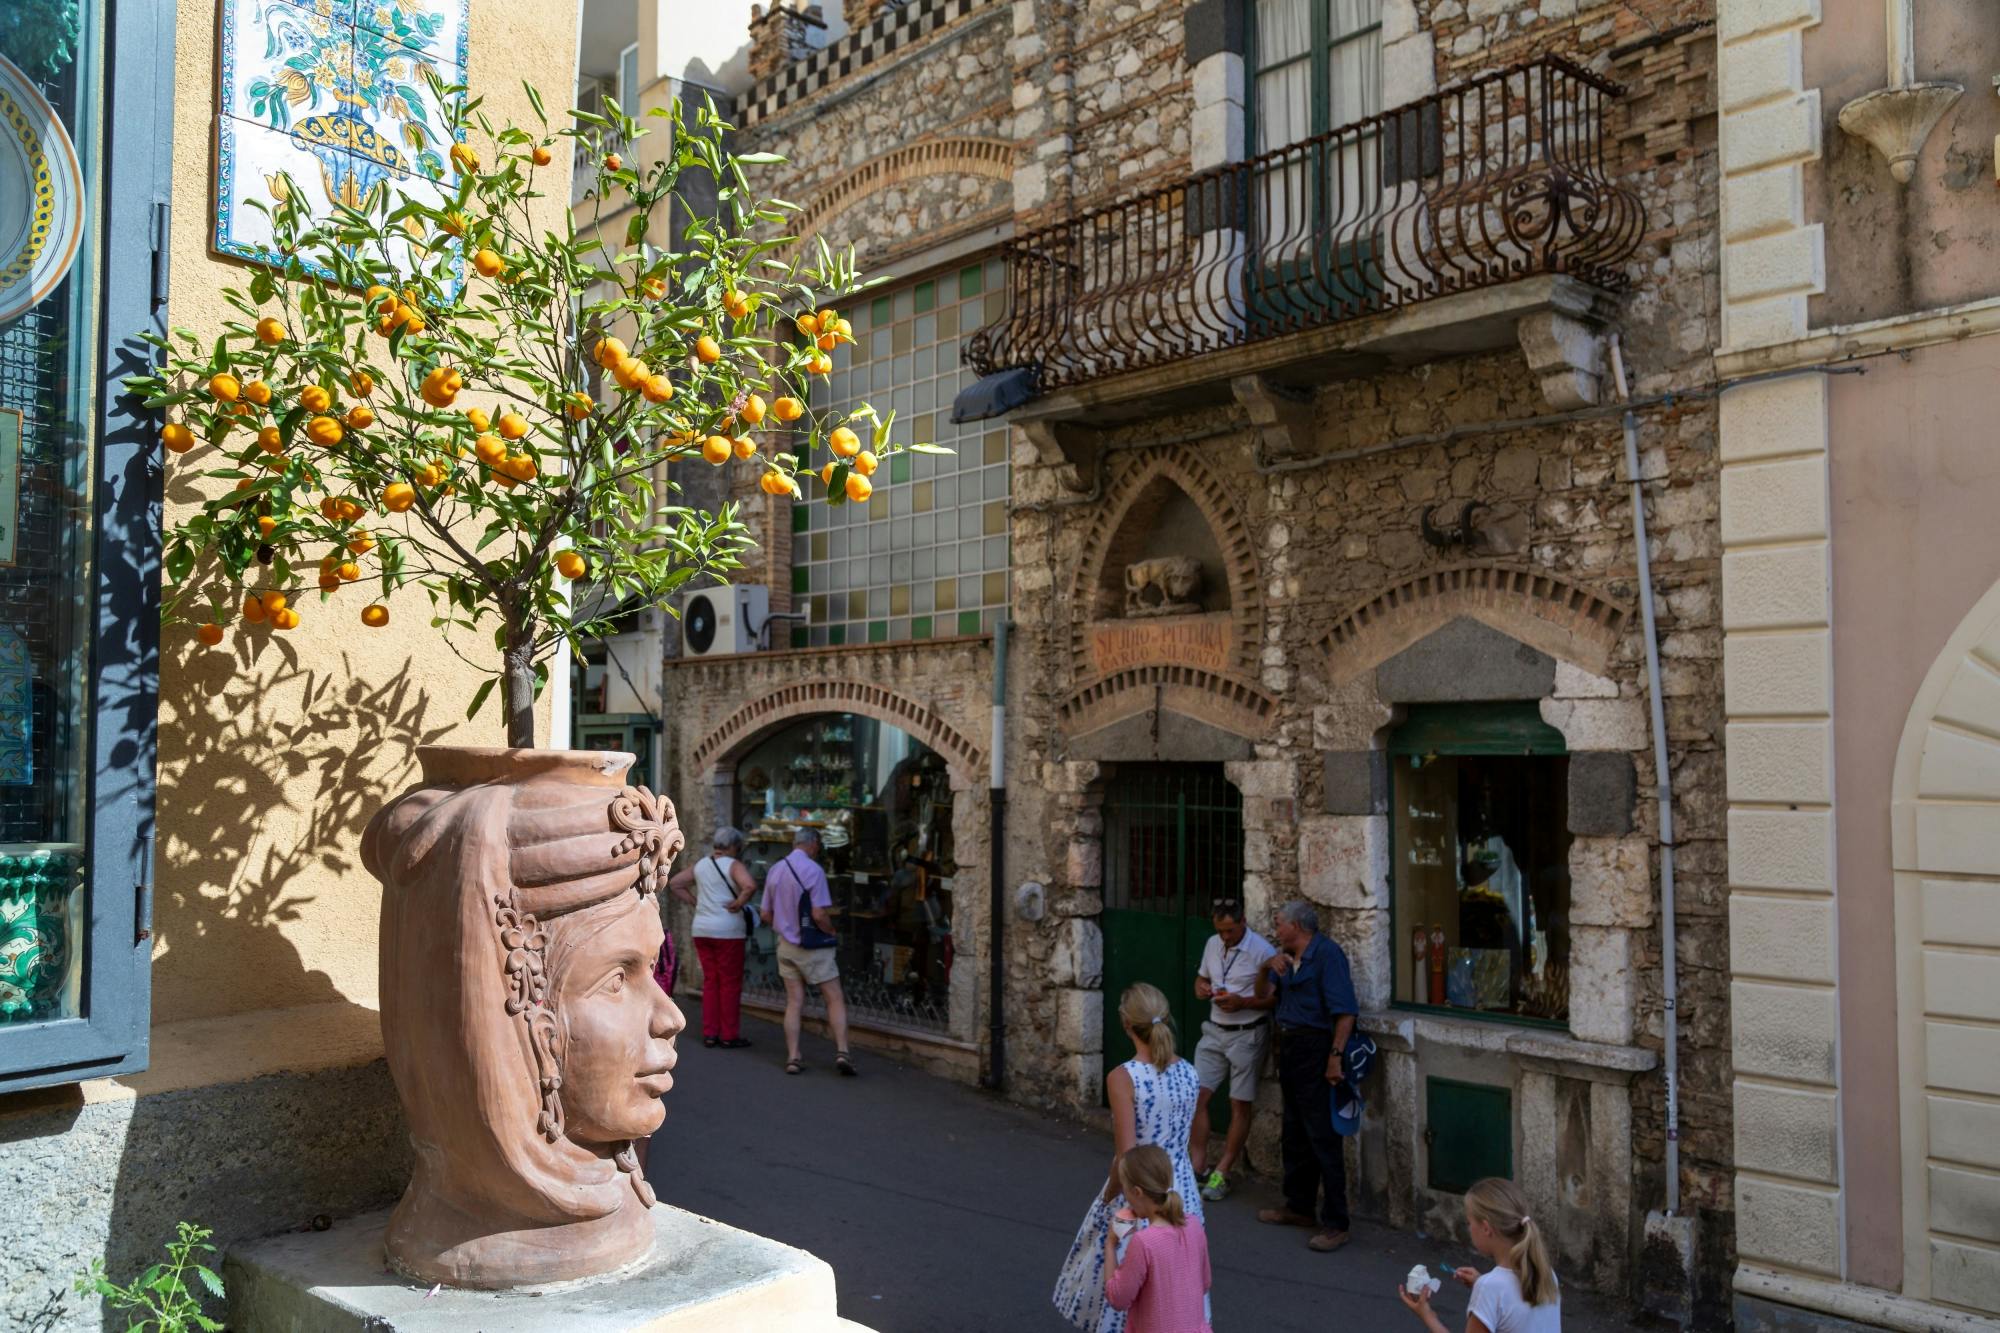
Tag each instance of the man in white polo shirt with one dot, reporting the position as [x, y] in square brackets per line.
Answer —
[1233, 1040]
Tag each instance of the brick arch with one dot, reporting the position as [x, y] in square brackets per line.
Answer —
[1559, 616]
[1201, 483]
[965, 758]
[991, 159]
[1233, 704]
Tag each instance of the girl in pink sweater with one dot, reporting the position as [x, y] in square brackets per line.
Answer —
[1164, 1279]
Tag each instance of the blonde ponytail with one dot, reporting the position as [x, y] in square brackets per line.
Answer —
[1143, 1011]
[1501, 1205]
[1148, 1170]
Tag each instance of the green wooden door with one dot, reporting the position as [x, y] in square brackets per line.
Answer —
[1173, 843]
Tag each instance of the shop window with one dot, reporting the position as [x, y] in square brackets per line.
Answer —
[79, 541]
[882, 803]
[926, 556]
[1480, 868]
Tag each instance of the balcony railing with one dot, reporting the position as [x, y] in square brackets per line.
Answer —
[1487, 182]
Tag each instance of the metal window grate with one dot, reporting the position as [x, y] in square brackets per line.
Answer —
[1173, 839]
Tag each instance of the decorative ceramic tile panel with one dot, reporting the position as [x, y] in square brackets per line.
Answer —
[335, 94]
[926, 557]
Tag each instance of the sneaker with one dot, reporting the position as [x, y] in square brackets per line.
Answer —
[1215, 1186]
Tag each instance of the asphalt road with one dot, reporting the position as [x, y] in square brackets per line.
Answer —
[941, 1207]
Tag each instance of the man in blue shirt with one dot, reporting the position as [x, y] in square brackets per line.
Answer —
[1314, 997]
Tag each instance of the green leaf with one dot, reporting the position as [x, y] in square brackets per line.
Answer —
[479, 697]
[758, 159]
[928, 449]
[209, 1279]
[535, 100]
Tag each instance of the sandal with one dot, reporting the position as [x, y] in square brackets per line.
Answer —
[844, 1065]
[711, 1041]
[795, 1067]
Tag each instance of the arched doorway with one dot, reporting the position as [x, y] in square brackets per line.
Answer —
[882, 803]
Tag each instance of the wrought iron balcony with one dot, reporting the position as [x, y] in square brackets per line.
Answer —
[1489, 182]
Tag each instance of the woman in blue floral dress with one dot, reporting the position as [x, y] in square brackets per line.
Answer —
[1152, 1100]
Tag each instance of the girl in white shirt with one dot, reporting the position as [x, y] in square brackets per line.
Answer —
[1520, 1294]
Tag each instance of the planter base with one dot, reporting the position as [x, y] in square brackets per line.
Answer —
[702, 1277]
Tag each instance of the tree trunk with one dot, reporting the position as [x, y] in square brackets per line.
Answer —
[517, 688]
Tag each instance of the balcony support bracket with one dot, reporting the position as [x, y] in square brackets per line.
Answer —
[1058, 442]
[1567, 355]
[1282, 415]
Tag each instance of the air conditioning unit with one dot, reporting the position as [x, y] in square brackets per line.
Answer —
[720, 620]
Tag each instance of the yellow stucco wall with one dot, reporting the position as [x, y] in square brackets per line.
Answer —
[275, 750]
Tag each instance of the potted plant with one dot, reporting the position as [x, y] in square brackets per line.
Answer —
[445, 392]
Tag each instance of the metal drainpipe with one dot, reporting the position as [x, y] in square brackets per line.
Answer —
[1662, 779]
[996, 930]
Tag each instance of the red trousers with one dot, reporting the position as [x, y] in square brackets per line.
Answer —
[721, 987]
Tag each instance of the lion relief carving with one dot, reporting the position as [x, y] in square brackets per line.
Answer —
[1167, 586]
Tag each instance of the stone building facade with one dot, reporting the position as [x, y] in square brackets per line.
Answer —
[1278, 566]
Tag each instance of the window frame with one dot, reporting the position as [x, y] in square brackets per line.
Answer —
[1319, 52]
[1493, 733]
[111, 1033]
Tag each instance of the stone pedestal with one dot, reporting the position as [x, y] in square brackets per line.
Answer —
[702, 1277]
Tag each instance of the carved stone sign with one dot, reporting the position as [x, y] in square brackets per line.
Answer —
[1192, 640]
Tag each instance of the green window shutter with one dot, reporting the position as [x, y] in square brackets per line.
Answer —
[1468, 1133]
[1484, 728]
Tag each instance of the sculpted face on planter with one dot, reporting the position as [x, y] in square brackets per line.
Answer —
[528, 1041]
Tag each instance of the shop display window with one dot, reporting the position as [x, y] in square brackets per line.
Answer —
[926, 556]
[882, 804]
[1480, 868]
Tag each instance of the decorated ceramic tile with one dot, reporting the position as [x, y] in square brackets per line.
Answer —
[303, 83]
[41, 195]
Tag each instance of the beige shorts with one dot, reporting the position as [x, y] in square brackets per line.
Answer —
[1233, 1053]
[814, 967]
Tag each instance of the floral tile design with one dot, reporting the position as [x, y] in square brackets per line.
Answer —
[334, 93]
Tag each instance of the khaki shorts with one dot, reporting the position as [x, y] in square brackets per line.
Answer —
[814, 967]
[1237, 1053]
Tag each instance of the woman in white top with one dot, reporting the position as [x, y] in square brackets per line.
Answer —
[1520, 1294]
[718, 887]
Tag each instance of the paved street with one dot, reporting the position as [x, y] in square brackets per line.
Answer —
[941, 1208]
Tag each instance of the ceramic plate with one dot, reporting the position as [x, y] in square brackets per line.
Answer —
[41, 195]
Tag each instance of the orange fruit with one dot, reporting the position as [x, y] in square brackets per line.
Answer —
[348, 571]
[362, 383]
[506, 482]
[374, 615]
[464, 158]
[753, 410]
[736, 303]
[209, 634]
[478, 418]
[788, 409]
[324, 432]
[224, 387]
[827, 342]
[441, 385]
[489, 264]
[257, 392]
[398, 497]
[630, 373]
[245, 484]
[328, 580]
[542, 156]
[273, 602]
[826, 476]
[774, 482]
[313, 398]
[361, 543]
[413, 321]
[859, 488]
[612, 162]
[270, 330]
[844, 442]
[657, 388]
[808, 323]
[513, 425]
[360, 416]
[489, 448]
[579, 406]
[706, 351]
[609, 352]
[865, 463]
[270, 441]
[518, 466]
[653, 288]
[571, 565]
[430, 474]
[285, 619]
[264, 525]
[347, 510]
[253, 610]
[744, 446]
[386, 325]
[819, 364]
[717, 449]
[176, 437]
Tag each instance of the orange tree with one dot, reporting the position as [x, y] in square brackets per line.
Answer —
[436, 390]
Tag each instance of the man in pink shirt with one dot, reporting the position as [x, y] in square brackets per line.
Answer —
[793, 887]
